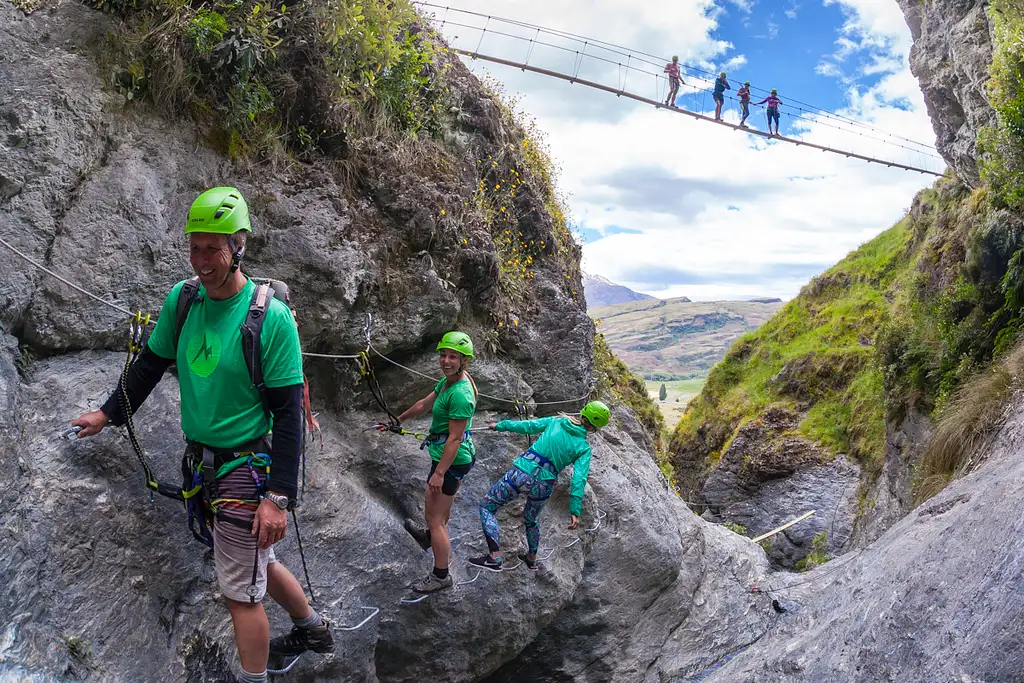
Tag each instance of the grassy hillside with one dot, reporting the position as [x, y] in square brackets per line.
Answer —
[677, 339]
[896, 326]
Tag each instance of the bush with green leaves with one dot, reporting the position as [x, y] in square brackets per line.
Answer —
[264, 76]
[1002, 165]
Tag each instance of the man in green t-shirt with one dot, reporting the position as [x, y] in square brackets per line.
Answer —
[223, 415]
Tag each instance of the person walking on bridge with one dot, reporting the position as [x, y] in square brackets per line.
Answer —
[721, 85]
[744, 94]
[675, 79]
[227, 421]
[773, 110]
[562, 442]
[452, 453]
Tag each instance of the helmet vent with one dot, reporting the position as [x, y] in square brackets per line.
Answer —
[220, 212]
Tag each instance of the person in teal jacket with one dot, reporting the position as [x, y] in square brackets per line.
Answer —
[562, 442]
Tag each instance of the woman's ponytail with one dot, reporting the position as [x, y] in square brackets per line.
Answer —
[476, 392]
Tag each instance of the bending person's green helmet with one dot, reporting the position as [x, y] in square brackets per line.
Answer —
[597, 414]
[457, 341]
[220, 210]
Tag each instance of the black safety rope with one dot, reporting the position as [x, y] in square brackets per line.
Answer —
[136, 334]
[302, 555]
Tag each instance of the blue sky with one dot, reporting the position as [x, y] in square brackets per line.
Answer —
[675, 207]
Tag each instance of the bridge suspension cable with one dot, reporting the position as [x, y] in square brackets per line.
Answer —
[596, 63]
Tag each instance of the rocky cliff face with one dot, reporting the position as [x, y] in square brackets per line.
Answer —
[936, 598]
[951, 56]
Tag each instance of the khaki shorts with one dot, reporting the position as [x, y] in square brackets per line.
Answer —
[241, 566]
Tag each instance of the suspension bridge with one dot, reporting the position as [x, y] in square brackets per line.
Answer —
[639, 76]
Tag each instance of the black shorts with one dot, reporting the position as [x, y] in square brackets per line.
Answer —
[718, 97]
[452, 477]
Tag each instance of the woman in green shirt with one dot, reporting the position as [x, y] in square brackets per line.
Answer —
[450, 444]
[562, 442]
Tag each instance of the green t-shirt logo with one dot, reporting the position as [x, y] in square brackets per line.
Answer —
[204, 353]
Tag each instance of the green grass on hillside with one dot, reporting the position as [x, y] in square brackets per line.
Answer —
[910, 322]
[824, 340]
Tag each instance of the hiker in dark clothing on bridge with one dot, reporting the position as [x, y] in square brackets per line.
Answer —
[721, 85]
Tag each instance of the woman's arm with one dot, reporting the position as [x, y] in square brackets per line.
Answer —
[524, 426]
[420, 407]
[580, 472]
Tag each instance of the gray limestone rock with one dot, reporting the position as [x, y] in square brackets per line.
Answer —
[768, 476]
[936, 598]
[950, 57]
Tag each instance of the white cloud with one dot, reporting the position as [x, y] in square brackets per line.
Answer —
[734, 63]
[712, 212]
[770, 32]
[791, 12]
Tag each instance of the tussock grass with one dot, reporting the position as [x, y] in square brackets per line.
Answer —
[968, 423]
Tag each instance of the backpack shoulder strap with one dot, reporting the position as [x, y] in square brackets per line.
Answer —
[252, 328]
[188, 295]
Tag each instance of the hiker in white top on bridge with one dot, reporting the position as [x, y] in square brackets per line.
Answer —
[675, 79]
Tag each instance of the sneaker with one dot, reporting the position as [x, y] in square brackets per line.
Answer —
[530, 564]
[301, 639]
[486, 562]
[432, 584]
[419, 532]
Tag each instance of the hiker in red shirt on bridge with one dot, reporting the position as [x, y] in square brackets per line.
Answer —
[675, 79]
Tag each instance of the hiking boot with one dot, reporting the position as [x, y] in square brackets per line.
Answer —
[316, 639]
[530, 564]
[486, 562]
[419, 532]
[432, 584]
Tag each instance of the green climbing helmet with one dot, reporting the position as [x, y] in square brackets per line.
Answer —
[675, 58]
[597, 414]
[722, 75]
[774, 91]
[220, 210]
[746, 82]
[457, 341]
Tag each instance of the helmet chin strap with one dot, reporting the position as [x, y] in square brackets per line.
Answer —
[236, 260]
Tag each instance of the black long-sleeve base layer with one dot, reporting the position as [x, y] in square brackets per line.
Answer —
[285, 405]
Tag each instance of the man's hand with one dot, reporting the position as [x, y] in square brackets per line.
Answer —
[269, 524]
[574, 522]
[435, 482]
[91, 423]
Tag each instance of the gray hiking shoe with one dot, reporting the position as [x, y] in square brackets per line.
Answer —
[419, 532]
[432, 584]
[301, 639]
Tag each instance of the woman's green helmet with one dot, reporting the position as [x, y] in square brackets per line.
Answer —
[457, 341]
[220, 210]
[597, 414]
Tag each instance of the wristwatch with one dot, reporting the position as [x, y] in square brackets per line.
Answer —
[277, 499]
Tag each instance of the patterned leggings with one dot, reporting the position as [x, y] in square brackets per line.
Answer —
[507, 489]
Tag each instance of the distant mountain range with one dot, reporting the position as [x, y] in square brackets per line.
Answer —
[600, 291]
[677, 338]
